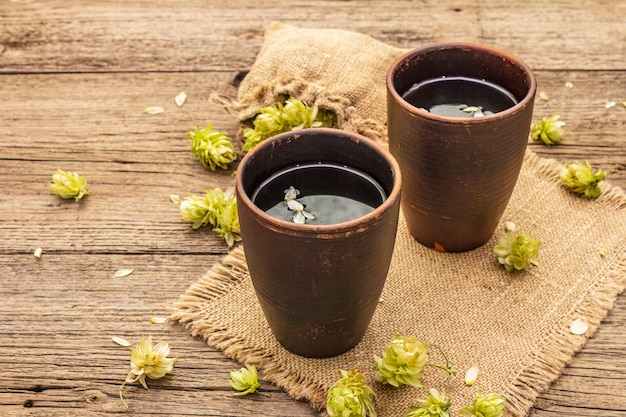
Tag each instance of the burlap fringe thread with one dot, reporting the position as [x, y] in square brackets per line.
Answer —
[217, 281]
[559, 347]
[556, 351]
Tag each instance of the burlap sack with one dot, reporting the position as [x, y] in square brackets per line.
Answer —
[335, 69]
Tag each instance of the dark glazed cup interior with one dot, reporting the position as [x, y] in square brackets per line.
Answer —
[318, 285]
[458, 173]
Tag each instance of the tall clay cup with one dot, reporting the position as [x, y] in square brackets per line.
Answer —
[458, 173]
[318, 285]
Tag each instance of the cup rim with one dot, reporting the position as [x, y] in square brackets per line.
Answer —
[353, 225]
[469, 46]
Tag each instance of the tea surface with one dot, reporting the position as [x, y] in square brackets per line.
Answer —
[330, 192]
[459, 97]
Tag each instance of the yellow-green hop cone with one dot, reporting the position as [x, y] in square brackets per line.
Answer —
[402, 362]
[549, 130]
[578, 177]
[517, 251]
[351, 396]
[217, 208]
[436, 404]
[199, 210]
[292, 114]
[68, 185]
[268, 122]
[245, 380]
[214, 149]
[490, 405]
[227, 222]
[148, 361]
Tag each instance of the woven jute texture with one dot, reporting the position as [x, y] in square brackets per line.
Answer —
[514, 327]
[336, 69]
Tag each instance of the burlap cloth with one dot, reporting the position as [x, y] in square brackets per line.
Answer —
[514, 327]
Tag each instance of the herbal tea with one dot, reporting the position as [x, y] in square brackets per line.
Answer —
[459, 97]
[319, 193]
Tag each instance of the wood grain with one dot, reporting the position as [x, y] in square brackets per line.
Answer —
[75, 77]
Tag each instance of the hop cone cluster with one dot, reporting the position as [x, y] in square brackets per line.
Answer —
[292, 114]
[214, 149]
[516, 251]
[579, 178]
[402, 362]
[351, 396]
[549, 130]
[216, 208]
[436, 404]
[490, 405]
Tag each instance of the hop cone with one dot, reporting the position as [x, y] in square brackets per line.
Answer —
[579, 178]
[491, 405]
[436, 404]
[402, 362]
[350, 396]
[214, 149]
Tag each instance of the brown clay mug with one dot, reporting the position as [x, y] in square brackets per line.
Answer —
[318, 284]
[459, 159]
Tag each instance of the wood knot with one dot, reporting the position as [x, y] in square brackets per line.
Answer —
[94, 397]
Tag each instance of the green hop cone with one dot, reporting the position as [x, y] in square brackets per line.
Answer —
[517, 251]
[292, 114]
[351, 396]
[436, 404]
[197, 209]
[227, 221]
[549, 130]
[68, 185]
[490, 405]
[217, 208]
[579, 178]
[214, 149]
[402, 362]
[245, 380]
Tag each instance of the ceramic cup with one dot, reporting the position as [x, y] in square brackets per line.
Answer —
[318, 285]
[458, 172]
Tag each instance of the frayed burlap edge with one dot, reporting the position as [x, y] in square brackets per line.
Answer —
[280, 89]
[558, 348]
[217, 281]
[534, 376]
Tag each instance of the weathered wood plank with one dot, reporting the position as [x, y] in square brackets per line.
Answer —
[79, 306]
[96, 122]
[157, 35]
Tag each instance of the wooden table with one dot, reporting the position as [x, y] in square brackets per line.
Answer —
[75, 77]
